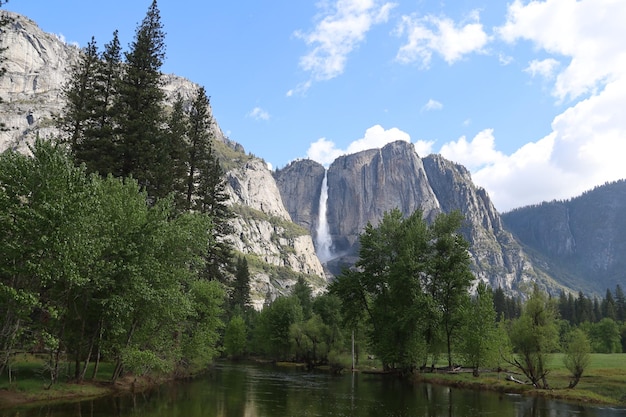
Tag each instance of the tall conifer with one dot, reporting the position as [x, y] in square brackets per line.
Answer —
[140, 107]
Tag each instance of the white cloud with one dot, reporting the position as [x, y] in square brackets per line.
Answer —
[544, 68]
[432, 105]
[441, 35]
[325, 151]
[475, 154]
[591, 32]
[341, 29]
[587, 142]
[424, 147]
[505, 60]
[258, 113]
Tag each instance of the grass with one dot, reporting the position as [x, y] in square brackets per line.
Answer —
[604, 382]
[30, 383]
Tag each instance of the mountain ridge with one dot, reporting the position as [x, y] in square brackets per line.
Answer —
[278, 213]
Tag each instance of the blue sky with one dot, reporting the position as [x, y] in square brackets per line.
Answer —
[529, 95]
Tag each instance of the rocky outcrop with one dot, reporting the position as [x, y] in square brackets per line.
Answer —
[264, 229]
[497, 257]
[302, 182]
[37, 66]
[363, 186]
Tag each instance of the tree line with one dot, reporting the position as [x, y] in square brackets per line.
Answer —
[116, 249]
[410, 301]
[115, 232]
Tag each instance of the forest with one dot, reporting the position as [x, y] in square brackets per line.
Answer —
[115, 249]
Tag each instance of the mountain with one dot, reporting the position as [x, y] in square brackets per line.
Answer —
[279, 251]
[581, 242]
[361, 187]
[279, 214]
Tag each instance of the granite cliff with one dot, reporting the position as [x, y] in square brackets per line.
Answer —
[577, 239]
[37, 66]
[362, 186]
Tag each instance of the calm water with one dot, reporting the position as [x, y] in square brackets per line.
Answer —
[266, 391]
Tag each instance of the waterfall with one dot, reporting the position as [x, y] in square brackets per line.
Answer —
[323, 241]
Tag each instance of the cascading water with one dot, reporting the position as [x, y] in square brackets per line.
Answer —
[323, 241]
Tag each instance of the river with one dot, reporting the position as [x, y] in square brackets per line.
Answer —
[237, 390]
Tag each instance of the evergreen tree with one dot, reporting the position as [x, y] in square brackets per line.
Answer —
[240, 295]
[620, 304]
[499, 302]
[105, 156]
[173, 178]
[608, 306]
[199, 139]
[88, 115]
[139, 108]
[211, 199]
[80, 93]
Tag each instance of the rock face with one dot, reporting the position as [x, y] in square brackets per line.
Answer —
[363, 186]
[577, 239]
[264, 229]
[37, 66]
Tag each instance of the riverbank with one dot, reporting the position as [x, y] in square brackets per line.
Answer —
[35, 392]
[602, 384]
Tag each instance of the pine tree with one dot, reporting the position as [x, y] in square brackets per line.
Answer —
[200, 150]
[139, 109]
[620, 304]
[106, 156]
[178, 130]
[608, 306]
[240, 295]
[80, 93]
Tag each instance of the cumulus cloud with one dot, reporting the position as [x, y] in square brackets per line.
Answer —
[325, 151]
[441, 35]
[591, 32]
[473, 154]
[340, 29]
[432, 105]
[258, 113]
[586, 144]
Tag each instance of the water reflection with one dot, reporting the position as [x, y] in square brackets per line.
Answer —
[257, 390]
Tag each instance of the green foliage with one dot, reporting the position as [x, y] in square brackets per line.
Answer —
[272, 330]
[303, 292]
[534, 337]
[480, 340]
[605, 336]
[577, 356]
[240, 293]
[88, 264]
[235, 337]
[412, 280]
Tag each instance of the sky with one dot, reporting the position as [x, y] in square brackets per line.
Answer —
[530, 96]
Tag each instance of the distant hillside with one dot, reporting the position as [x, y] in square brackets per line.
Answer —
[580, 242]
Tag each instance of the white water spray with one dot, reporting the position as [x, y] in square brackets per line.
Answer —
[323, 240]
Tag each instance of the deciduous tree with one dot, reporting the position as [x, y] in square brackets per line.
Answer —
[577, 357]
